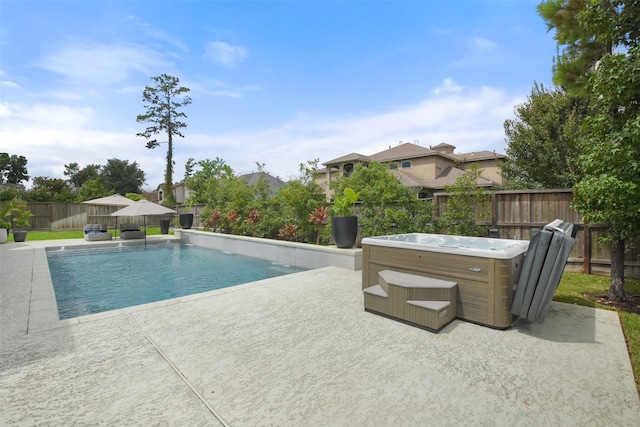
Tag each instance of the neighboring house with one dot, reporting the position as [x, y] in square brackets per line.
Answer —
[426, 170]
[274, 182]
[181, 193]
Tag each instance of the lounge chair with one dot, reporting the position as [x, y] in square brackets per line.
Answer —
[131, 231]
[96, 232]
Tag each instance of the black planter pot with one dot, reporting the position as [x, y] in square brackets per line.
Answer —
[19, 236]
[164, 226]
[344, 230]
[186, 220]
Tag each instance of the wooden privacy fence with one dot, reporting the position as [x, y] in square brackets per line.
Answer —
[49, 216]
[514, 213]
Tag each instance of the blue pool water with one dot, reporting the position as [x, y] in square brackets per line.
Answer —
[94, 280]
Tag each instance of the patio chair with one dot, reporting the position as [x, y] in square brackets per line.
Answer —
[96, 232]
[131, 231]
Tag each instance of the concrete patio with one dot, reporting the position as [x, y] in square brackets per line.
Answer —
[297, 350]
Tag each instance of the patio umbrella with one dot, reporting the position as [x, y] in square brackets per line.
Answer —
[143, 208]
[113, 200]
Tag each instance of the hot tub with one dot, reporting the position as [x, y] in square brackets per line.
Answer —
[485, 270]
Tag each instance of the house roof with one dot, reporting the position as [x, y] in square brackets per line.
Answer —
[443, 145]
[403, 151]
[407, 179]
[254, 177]
[349, 157]
[480, 155]
[449, 177]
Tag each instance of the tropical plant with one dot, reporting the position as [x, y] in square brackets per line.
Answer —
[213, 220]
[253, 219]
[17, 210]
[319, 217]
[343, 205]
[288, 232]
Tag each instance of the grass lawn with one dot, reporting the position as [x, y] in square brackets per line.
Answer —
[572, 290]
[73, 234]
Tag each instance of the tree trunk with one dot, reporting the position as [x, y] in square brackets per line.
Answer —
[616, 290]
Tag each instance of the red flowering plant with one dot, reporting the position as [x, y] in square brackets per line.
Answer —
[319, 217]
[253, 220]
[288, 232]
[213, 221]
[232, 218]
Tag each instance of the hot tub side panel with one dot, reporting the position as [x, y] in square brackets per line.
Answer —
[485, 285]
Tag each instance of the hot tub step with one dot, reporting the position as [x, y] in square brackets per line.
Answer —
[430, 314]
[375, 290]
[414, 281]
[375, 298]
[418, 300]
[431, 305]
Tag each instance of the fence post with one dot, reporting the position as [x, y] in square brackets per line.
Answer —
[586, 250]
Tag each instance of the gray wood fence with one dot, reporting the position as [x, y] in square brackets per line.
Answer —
[514, 213]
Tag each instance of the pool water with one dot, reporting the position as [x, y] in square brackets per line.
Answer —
[88, 281]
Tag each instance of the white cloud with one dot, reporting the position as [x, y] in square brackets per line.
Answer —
[448, 86]
[483, 44]
[9, 84]
[480, 52]
[470, 119]
[52, 135]
[223, 53]
[101, 64]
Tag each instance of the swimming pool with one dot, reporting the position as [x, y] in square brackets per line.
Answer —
[88, 281]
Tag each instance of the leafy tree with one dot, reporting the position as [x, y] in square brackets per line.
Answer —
[46, 189]
[209, 170]
[77, 176]
[189, 167]
[299, 197]
[543, 140]
[122, 177]
[162, 111]
[579, 48]
[466, 204]
[609, 191]
[92, 189]
[13, 169]
[387, 206]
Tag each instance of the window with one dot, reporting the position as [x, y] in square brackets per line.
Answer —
[393, 166]
[348, 169]
[406, 164]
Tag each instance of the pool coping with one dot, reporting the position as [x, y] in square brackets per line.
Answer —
[43, 309]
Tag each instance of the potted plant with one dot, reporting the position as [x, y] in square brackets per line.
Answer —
[4, 230]
[344, 225]
[186, 219]
[20, 216]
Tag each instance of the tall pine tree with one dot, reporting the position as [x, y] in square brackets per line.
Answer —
[162, 103]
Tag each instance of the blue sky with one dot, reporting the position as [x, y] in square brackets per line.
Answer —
[273, 82]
